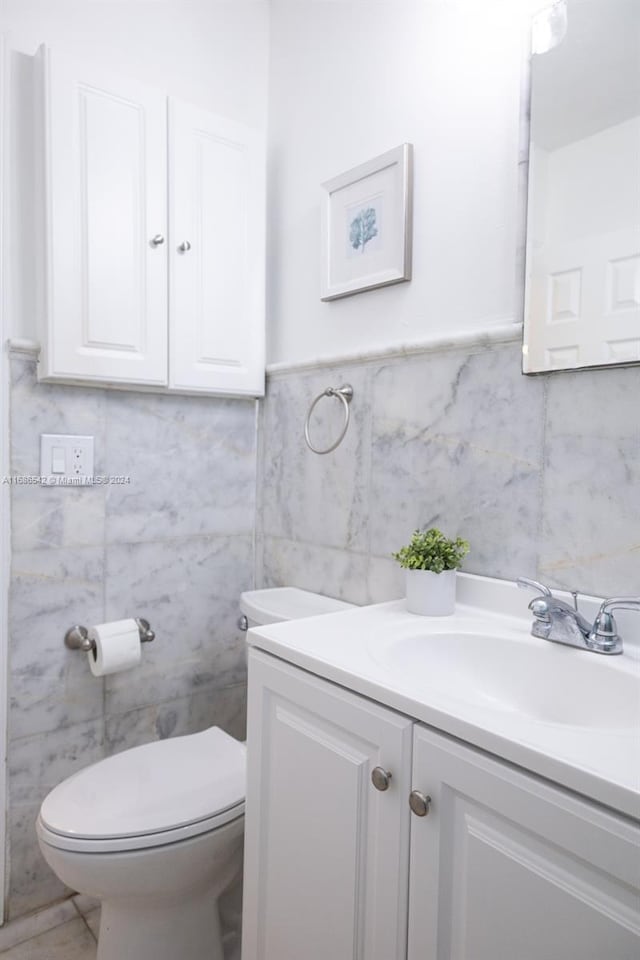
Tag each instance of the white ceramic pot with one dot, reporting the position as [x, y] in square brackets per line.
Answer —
[431, 594]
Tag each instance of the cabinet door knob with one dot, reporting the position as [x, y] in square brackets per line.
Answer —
[419, 803]
[158, 240]
[184, 247]
[380, 778]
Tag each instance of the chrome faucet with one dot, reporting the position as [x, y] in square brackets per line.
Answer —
[559, 622]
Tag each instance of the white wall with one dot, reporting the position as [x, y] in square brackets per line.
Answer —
[592, 185]
[213, 53]
[349, 80]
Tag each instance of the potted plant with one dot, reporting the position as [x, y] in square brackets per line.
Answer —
[430, 560]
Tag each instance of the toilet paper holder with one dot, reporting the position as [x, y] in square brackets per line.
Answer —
[77, 637]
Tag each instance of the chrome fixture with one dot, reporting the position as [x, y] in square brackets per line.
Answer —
[157, 241]
[525, 582]
[345, 395]
[420, 803]
[559, 622]
[77, 637]
[184, 247]
[243, 623]
[380, 778]
[604, 635]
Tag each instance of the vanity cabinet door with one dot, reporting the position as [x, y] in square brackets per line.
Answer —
[217, 253]
[104, 239]
[326, 853]
[506, 866]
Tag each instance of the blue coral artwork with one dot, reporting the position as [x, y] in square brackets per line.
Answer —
[363, 228]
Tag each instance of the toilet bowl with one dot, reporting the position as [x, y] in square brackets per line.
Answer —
[156, 832]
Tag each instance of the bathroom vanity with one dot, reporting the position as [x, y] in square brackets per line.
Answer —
[440, 788]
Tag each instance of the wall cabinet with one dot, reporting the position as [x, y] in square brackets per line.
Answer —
[502, 864]
[153, 239]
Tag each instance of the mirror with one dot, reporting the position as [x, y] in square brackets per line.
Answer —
[582, 289]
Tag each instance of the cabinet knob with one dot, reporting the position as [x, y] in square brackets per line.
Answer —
[419, 803]
[380, 778]
[158, 240]
[184, 247]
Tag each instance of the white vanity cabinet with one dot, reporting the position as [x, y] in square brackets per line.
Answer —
[503, 865]
[327, 854]
[507, 866]
[152, 239]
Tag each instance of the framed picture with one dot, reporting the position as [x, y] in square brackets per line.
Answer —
[367, 225]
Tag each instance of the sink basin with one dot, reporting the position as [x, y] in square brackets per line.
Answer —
[544, 681]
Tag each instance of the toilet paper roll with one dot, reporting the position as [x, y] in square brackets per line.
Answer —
[117, 647]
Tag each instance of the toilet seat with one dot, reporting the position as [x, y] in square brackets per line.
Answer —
[148, 796]
[139, 841]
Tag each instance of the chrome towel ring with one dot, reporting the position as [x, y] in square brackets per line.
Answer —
[345, 395]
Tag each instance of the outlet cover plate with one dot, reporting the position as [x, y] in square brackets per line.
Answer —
[66, 460]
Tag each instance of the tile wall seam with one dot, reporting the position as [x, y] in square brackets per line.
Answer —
[369, 396]
[213, 688]
[319, 546]
[541, 481]
[231, 535]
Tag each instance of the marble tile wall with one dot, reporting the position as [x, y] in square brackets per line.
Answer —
[541, 474]
[174, 545]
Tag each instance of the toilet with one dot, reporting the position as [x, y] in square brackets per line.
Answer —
[156, 832]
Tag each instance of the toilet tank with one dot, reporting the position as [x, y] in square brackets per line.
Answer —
[276, 604]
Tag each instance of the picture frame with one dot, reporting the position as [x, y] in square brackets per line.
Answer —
[367, 225]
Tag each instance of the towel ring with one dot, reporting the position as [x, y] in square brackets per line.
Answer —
[345, 395]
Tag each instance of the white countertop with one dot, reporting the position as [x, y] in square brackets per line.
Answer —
[358, 650]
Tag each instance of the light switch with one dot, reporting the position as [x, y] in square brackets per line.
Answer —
[58, 460]
[66, 460]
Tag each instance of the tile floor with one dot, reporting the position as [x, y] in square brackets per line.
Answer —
[65, 931]
[69, 931]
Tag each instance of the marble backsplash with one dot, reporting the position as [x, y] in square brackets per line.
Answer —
[174, 545]
[541, 474]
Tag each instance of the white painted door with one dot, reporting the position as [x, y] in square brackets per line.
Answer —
[326, 853]
[505, 867]
[217, 253]
[585, 305]
[105, 195]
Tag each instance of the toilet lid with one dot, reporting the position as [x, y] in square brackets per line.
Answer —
[150, 789]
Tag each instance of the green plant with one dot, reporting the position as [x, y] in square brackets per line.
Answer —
[431, 550]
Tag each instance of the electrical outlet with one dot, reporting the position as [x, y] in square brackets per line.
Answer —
[66, 460]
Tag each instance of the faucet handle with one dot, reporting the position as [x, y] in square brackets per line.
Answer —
[524, 582]
[620, 603]
[604, 635]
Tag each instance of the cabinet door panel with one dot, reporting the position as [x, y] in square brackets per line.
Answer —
[104, 186]
[506, 866]
[217, 217]
[326, 853]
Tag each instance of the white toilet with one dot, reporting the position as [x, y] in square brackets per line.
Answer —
[156, 832]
